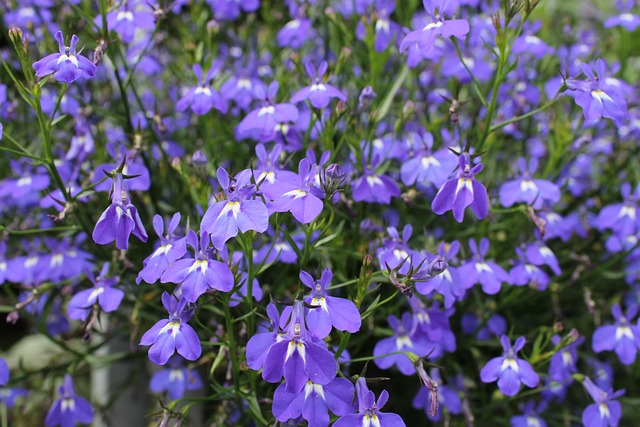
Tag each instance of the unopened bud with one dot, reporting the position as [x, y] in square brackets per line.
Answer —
[366, 96]
[199, 158]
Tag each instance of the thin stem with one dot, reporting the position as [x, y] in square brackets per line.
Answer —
[524, 116]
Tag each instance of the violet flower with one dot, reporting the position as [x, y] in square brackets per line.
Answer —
[605, 411]
[478, 270]
[319, 93]
[300, 200]
[296, 356]
[314, 402]
[203, 97]
[406, 338]
[426, 36]
[169, 251]
[623, 337]
[626, 19]
[533, 192]
[622, 218]
[240, 212]
[70, 408]
[175, 380]
[120, 219]
[424, 166]
[596, 97]
[340, 313]
[66, 66]
[128, 17]
[263, 123]
[369, 410]
[260, 343]
[458, 193]
[230, 10]
[200, 273]
[169, 335]
[509, 370]
[103, 293]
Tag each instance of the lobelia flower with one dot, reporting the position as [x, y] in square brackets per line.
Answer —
[626, 19]
[385, 30]
[203, 97]
[525, 272]
[120, 219]
[447, 396]
[563, 363]
[539, 254]
[622, 218]
[510, 370]
[129, 16]
[447, 283]
[373, 187]
[406, 338]
[530, 417]
[169, 251]
[260, 343]
[426, 36]
[339, 312]
[319, 93]
[103, 293]
[263, 123]
[175, 380]
[230, 9]
[596, 97]
[423, 166]
[533, 192]
[239, 212]
[433, 322]
[623, 337]
[300, 200]
[9, 395]
[295, 33]
[66, 66]
[605, 411]
[458, 193]
[4, 372]
[241, 88]
[169, 335]
[477, 270]
[314, 403]
[70, 408]
[369, 410]
[296, 356]
[200, 273]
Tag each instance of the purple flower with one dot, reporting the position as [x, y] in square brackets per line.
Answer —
[103, 293]
[339, 312]
[385, 30]
[369, 410]
[373, 187]
[314, 402]
[230, 9]
[626, 19]
[175, 380]
[4, 372]
[240, 212]
[531, 191]
[426, 36]
[300, 200]
[199, 274]
[598, 98]
[319, 93]
[605, 411]
[203, 97]
[263, 123]
[510, 370]
[563, 363]
[260, 343]
[296, 356]
[69, 409]
[128, 17]
[406, 338]
[169, 251]
[530, 417]
[623, 337]
[66, 66]
[295, 33]
[622, 218]
[525, 272]
[169, 335]
[424, 166]
[120, 219]
[477, 270]
[458, 193]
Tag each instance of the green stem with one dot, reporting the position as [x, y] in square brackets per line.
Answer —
[55, 110]
[476, 84]
[524, 116]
